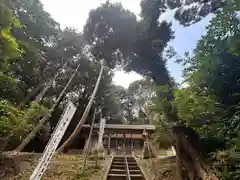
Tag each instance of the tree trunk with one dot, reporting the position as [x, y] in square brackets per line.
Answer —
[187, 154]
[161, 77]
[77, 130]
[47, 116]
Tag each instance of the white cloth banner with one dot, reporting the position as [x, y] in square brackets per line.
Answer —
[101, 131]
[55, 139]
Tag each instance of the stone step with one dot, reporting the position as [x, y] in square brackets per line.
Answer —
[118, 167]
[117, 171]
[130, 167]
[129, 163]
[124, 176]
[118, 163]
[123, 171]
[118, 160]
[131, 160]
[133, 167]
[135, 171]
[122, 160]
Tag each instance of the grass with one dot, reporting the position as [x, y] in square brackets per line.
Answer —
[62, 167]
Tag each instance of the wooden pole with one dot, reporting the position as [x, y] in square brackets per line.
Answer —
[77, 130]
[48, 85]
[131, 142]
[116, 144]
[32, 134]
[109, 143]
[88, 143]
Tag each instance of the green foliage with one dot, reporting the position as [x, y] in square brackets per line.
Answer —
[227, 162]
[195, 108]
[119, 39]
[10, 124]
[15, 123]
[186, 12]
[210, 102]
[162, 136]
[9, 47]
[111, 30]
[9, 88]
[134, 101]
[33, 48]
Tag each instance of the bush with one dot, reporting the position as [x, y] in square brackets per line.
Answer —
[15, 124]
[227, 162]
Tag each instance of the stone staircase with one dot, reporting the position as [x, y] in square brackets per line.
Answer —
[118, 170]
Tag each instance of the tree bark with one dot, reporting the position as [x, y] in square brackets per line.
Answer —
[47, 116]
[161, 77]
[77, 130]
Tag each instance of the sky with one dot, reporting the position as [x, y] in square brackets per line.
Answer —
[74, 13]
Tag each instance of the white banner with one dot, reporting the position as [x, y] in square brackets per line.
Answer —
[55, 139]
[101, 131]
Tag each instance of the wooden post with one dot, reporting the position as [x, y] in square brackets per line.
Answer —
[131, 142]
[86, 152]
[116, 142]
[109, 143]
[87, 146]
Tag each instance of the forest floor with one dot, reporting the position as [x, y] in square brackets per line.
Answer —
[159, 168]
[62, 167]
[162, 167]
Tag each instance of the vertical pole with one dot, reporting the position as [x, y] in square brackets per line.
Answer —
[124, 141]
[150, 151]
[125, 159]
[116, 143]
[131, 142]
[90, 134]
[86, 152]
[109, 143]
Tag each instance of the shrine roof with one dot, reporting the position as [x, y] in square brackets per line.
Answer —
[147, 127]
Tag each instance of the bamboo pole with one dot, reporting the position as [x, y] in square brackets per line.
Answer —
[109, 143]
[77, 130]
[39, 91]
[48, 85]
[32, 134]
[88, 143]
